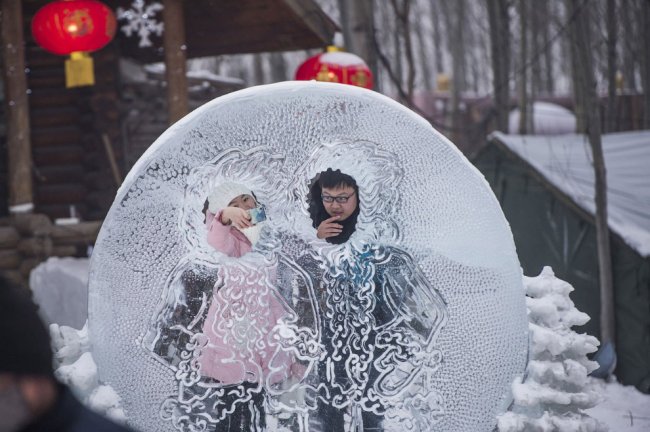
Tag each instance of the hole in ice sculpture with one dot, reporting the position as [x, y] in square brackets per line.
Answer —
[334, 205]
[416, 321]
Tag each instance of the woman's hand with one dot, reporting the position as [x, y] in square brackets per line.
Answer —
[236, 216]
[329, 228]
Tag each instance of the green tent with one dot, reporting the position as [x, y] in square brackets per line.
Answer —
[545, 185]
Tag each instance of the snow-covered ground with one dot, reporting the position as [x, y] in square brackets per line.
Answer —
[623, 409]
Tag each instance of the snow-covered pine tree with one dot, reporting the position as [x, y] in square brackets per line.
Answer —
[556, 387]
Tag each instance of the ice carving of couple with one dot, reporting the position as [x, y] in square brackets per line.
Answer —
[347, 328]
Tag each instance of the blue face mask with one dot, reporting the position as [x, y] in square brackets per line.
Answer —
[14, 412]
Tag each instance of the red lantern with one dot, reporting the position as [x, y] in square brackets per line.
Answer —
[74, 27]
[336, 66]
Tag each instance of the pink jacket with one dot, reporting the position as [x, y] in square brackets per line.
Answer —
[240, 323]
[226, 238]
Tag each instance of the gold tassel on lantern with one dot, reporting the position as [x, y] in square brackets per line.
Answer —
[79, 70]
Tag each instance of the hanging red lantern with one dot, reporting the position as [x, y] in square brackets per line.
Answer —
[74, 27]
[336, 66]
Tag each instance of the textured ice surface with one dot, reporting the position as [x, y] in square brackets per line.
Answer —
[418, 322]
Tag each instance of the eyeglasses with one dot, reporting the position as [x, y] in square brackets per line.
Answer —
[339, 199]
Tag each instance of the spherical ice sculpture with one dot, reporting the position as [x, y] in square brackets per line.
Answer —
[409, 314]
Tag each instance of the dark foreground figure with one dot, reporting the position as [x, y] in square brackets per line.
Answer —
[31, 400]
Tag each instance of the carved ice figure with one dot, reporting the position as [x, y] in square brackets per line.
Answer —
[378, 316]
[362, 335]
[218, 324]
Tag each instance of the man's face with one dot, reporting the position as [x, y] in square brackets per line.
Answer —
[245, 202]
[341, 209]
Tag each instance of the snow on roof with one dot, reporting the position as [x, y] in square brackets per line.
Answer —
[566, 162]
[159, 69]
[548, 119]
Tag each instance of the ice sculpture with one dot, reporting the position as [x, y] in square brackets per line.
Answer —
[416, 323]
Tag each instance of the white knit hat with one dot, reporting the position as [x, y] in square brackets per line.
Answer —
[221, 195]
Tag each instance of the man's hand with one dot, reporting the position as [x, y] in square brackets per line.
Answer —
[329, 228]
[236, 216]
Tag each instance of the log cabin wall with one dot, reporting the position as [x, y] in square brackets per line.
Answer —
[71, 166]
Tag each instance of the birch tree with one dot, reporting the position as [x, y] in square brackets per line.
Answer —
[585, 85]
[500, 43]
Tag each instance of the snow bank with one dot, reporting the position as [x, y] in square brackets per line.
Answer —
[60, 287]
[624, 409]
[75, 367]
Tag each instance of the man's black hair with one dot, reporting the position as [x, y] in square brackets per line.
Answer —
[332, 179]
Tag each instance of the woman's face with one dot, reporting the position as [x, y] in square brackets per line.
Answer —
[245, 202]
[341, 209]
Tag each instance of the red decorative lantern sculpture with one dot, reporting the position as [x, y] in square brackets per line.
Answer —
[336, 66]
[74, 27]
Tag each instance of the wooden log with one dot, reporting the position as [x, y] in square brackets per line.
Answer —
[64, 251]
[47, 80]
[38, 57]
[63, 155]
[51, 98]
[56, 136]
[40, 246]
[9, 259]
[61, 174]
[62, 116]
[9, 237]
[55, 211]
[60, 193]
[28, 265]
[83, 233]
[30, 225]
[175, 59]
[19, 149]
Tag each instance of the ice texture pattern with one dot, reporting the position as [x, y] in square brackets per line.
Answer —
[417, 322]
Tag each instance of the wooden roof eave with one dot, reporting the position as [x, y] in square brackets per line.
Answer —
[214, 27]
[313, 16]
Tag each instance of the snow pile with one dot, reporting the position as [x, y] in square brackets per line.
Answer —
[556, 388]
[75, 367]
[625, 409]
[60, 287]
[548, 119]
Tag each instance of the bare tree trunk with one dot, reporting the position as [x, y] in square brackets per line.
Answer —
[610, 17]
[19, 144]
[461, 8]
[175, 60]
[549, 85]
[535, 24]
[500, 43]
[258, 69]
[399, 68]
[402, 13]
[278, 67]
[645, 61]
[455, 12]
[629, 57]
[584, 74]
[436, 22]
[357, 20]
[423, 51]
[523, 70]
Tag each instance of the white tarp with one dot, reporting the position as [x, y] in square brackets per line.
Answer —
[566, 162]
